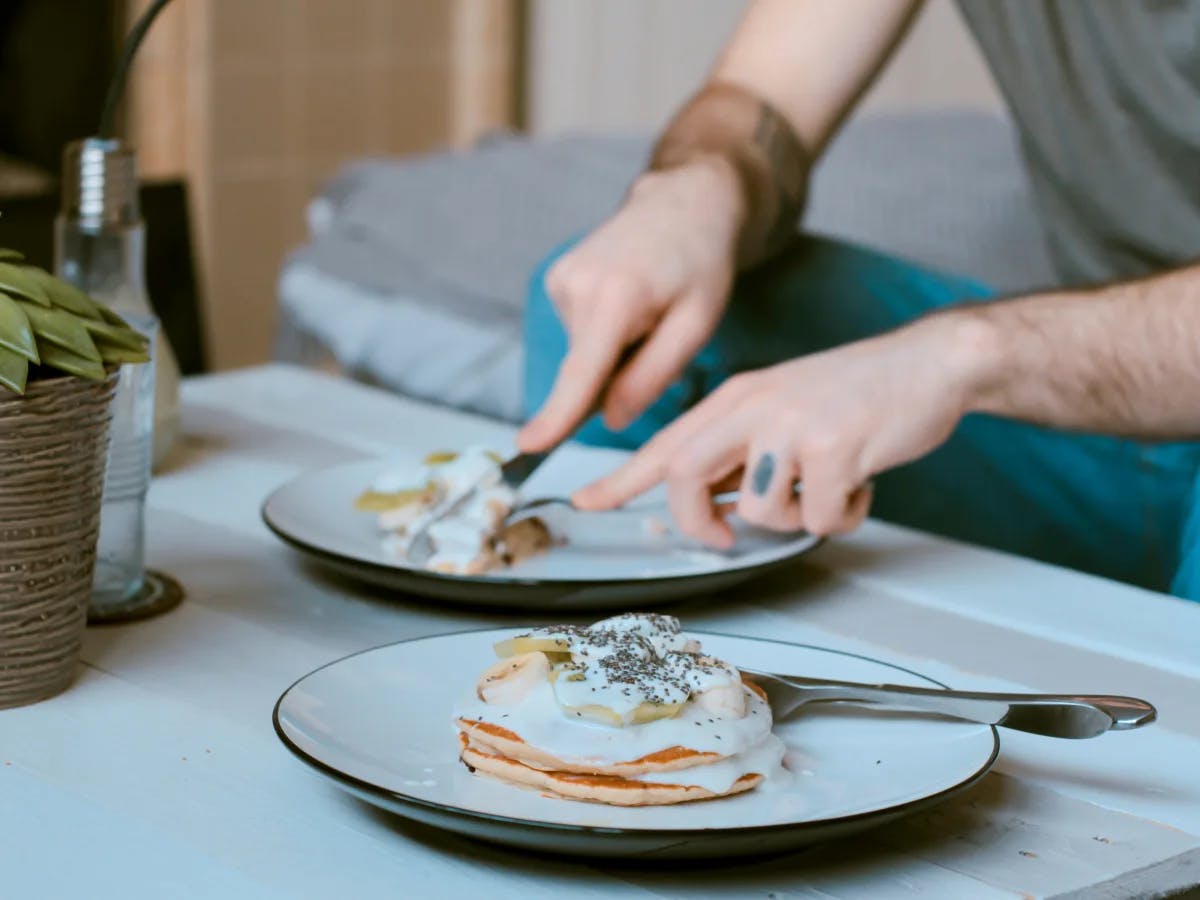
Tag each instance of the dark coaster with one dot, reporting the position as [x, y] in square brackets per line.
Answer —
[159, 593]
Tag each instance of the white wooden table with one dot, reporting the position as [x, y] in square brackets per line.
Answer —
[158, 773]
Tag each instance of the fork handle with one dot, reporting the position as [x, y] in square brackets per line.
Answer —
[1125, 712]
[1058, 715]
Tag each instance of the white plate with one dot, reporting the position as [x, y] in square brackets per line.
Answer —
[608, 560]
[379, 725]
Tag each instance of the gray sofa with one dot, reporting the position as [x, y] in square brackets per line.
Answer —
[415, 271]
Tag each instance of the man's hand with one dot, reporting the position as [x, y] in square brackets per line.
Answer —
[831, 420]
[656, 275]
[725, 180]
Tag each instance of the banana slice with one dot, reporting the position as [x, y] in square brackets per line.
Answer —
[649, 712]
[441, 457]
[556, 649]
[727, 700]
[567, 672]
[509, 681]
[385, 501]
[645, 712]
[564, 674]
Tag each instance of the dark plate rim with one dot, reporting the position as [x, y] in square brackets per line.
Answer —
[472, 582]
[368, 788]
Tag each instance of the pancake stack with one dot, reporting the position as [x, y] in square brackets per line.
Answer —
[628, 712]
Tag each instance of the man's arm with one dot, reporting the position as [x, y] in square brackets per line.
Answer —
[1123, 359]
[640, 295]
[792, 72]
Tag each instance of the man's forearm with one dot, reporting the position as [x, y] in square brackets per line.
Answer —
[1122, 359]
[791, 73]
[760, 149]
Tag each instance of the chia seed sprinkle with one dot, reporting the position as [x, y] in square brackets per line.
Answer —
[636, 655]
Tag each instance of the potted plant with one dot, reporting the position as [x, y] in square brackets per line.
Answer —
[60, 352]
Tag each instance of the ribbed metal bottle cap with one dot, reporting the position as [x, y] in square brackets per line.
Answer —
[99, 184]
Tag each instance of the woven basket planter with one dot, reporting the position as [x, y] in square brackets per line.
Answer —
[53, 442]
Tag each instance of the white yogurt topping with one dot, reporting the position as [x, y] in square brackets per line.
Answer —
[472, 467]
[400, 518]
[401, 477]
[633, 659]
[539, 721]
[614, 682]
[764, 758]
[464, 537]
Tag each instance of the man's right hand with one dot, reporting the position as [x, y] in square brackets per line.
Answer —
[657, 276]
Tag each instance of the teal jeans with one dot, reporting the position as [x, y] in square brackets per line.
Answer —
[1100, 504]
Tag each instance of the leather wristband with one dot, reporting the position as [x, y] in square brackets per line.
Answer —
[771, 164]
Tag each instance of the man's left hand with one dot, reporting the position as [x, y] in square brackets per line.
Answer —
[831, 421]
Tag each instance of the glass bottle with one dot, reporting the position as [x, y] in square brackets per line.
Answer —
[99, 247]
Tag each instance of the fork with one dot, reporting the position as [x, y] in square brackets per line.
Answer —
[514, 473]
[526, 508]
[1053, 715]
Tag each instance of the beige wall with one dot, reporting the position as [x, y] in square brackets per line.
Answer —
[937, 66]
[625, 65]
[258, 102]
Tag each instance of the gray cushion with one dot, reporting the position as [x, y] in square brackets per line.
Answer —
[946, 190]
[416, 270]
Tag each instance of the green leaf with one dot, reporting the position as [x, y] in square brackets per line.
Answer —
[114, 354]
[111, 317]
[57, 326]
[14, 370]
[15, 333]
[65, 295]
[64, 360]
[18, 280]
[119, 335]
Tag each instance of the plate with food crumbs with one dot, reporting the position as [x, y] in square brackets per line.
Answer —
[360, 518]
[629, 737]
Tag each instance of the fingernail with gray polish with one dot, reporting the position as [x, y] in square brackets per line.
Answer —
[764, 471]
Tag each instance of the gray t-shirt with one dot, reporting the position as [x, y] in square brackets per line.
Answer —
[1106, 95]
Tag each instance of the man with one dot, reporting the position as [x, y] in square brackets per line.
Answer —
[700, 276]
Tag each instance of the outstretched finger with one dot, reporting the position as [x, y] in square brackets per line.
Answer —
[648, 466]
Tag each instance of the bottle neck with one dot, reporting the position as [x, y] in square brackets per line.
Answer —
[99, 236]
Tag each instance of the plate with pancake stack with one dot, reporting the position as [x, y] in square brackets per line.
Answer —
[626, 738]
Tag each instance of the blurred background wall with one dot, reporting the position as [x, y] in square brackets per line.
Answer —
[625, 65]
[255, 103]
